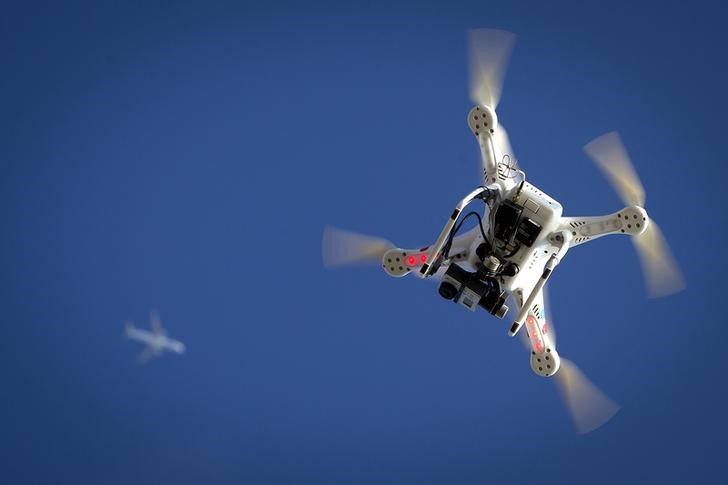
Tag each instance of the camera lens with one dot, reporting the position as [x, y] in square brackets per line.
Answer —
[447, 290]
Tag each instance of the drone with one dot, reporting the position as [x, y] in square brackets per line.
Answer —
[520, 237]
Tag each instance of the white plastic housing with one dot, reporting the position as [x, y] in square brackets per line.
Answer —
[398, 262]
[544, 210]
[545, 360]
[483, 121]
[631, 220]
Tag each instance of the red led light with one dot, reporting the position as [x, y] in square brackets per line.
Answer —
[534, 334]
[423, 257]
[539, 346]
[530, 320]
[545, 328]
[411, 260]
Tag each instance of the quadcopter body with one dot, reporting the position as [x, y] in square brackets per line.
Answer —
[520, 238]
[514, 250]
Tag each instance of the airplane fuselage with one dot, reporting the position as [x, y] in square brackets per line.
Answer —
[158, 342]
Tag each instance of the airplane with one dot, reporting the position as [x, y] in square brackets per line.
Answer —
[156, 340]
[520, 237]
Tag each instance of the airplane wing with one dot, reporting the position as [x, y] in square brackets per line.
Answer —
[145, 355]
[156, 323]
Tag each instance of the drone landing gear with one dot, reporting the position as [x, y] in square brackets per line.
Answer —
[562, 240]
[434, 257]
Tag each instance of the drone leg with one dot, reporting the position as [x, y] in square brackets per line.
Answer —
[563, 239]
[434, 253]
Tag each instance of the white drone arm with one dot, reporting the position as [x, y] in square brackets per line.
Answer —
[436, 248]
[398, 262]
[483, 122]
[562, 239]
[631, 220]
[545, 360]
[487, 153]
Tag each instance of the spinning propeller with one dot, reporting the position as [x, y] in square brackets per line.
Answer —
[662, 275]
[340, 247]
[587, 405]
[489, 51]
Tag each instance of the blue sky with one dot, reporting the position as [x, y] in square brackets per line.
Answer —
[186, 156]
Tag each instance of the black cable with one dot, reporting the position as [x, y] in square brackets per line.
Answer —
[451, 237]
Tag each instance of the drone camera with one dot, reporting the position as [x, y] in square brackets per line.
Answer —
[470, 291]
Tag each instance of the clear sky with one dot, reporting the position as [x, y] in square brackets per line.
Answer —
[186, 156]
